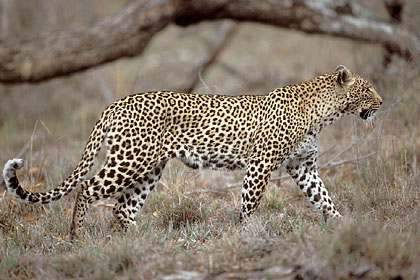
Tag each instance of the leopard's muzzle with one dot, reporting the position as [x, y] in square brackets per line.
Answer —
[367, 114]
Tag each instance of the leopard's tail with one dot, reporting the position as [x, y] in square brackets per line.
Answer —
[92, 148]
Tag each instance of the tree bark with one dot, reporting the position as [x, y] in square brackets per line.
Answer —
[129, 31]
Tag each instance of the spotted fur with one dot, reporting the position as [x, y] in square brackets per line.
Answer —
[256, 133]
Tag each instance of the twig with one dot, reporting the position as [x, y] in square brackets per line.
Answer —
[336, 143]
[27, 146]
[103, 87]
[354, 160]
[228, 29]
[395, 12]
[329, 165]
[220, 191]
[346, 149]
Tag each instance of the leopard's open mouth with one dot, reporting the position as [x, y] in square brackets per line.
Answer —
[367, 114]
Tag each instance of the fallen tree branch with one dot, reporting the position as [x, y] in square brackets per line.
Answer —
[129, 31]
[55, 54]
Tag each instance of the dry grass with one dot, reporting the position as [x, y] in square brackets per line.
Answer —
[188, 227]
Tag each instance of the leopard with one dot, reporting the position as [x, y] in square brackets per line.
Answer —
[254, 133]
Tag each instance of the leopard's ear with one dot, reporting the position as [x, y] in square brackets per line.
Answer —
[345, 76]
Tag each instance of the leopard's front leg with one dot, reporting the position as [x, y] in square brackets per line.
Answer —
[302, 168]
[255, 181]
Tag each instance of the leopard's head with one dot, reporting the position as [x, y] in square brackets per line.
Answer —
[356, 95]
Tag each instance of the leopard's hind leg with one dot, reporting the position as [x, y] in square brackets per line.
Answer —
[110, 180]
[132, 199]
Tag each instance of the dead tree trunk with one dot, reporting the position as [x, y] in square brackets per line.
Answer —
[129, 31]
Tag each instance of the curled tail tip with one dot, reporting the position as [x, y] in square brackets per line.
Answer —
[14, 164]
[11, 166]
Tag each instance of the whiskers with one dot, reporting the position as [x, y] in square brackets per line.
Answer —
[370, 115]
